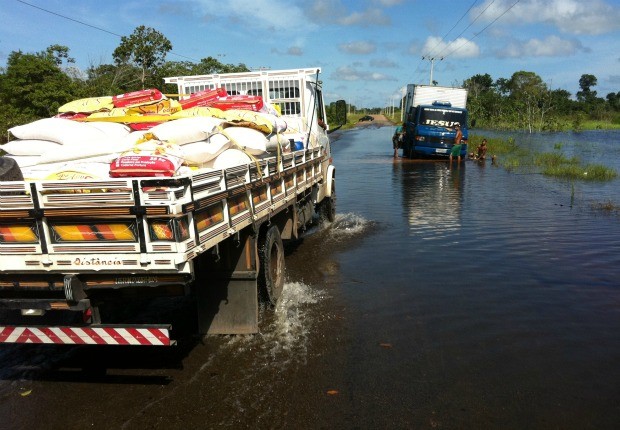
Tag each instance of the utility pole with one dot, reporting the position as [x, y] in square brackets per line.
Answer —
[432, 60]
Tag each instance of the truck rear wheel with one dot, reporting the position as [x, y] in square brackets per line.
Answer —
[271, 273]
[9, 170]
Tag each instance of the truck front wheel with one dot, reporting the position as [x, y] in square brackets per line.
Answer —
[271, 271]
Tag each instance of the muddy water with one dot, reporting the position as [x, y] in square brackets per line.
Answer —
[468, 297]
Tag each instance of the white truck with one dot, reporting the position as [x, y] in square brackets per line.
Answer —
[430, 115]
[224, 248]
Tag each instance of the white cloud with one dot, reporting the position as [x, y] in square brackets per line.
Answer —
[614, 79]
[366, 18]
[346, 73]
[570, 16]
[459, 48]
[389, 2]
[552, 46]
[358, 47]
[295, 50]
[385, 63]
[262, 14]
[334, 12]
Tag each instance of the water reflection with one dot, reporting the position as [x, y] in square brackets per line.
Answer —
[432, 196]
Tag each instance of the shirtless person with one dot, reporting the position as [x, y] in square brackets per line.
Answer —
[482, 150]
[456, 149]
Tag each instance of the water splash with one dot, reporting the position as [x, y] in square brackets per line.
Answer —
[349, 224]
[285, 329]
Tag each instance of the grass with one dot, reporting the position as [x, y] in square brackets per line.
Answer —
[608, 207]
[555, 164]
[599, 125]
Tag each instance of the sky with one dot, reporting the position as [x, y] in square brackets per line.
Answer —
[368, 50]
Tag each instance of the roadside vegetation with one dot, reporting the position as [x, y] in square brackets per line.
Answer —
[607, 207]
[514, 157]
[34, 85]
[526, 102]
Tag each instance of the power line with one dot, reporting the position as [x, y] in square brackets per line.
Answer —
[465, 29]
[481, 31]
[428, 56]
[449, 31]
[90, 25]
[474, 36]
[70, 19]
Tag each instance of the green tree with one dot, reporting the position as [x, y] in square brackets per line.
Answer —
[206, 66]
[586, 82]
[479, 97]
[145, 48]
[59, 53]
[613, 99]
[530, 98]
[33, 86]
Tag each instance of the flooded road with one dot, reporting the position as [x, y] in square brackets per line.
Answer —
[469, 297]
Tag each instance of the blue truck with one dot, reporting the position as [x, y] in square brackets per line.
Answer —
[430, 115]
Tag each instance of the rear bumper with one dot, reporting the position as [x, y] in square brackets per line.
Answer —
[143, 335]
[431, 151]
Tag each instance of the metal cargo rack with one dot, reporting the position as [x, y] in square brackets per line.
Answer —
[140, 225]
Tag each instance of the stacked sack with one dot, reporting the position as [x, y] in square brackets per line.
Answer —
[57, 148]
[195, 142]
[145, 134]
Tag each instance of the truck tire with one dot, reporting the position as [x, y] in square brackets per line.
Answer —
[9, 170]
[271, 271]
[327, 209]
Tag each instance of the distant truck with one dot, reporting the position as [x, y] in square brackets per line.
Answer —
[430, 116]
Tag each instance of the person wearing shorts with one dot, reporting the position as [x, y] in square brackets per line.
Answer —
[397, 138]
[456, 149]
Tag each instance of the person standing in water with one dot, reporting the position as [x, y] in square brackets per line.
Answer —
[456, 149]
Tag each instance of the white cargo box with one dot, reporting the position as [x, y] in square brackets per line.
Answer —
[427, 95]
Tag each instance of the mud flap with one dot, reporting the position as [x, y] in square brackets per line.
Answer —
[226, 287]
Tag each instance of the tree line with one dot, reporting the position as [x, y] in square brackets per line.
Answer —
[35, 85]
[526, 102]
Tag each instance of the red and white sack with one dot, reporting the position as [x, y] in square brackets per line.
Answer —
[152, 158]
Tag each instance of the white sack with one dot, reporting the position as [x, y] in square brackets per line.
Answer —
[111, 129]
[185, 130]
[252, 141]
[229, 158]
[94, 148]
[197, 153]
[29, 147]
[60, 130]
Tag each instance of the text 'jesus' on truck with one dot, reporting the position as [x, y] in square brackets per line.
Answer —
[77, 253]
